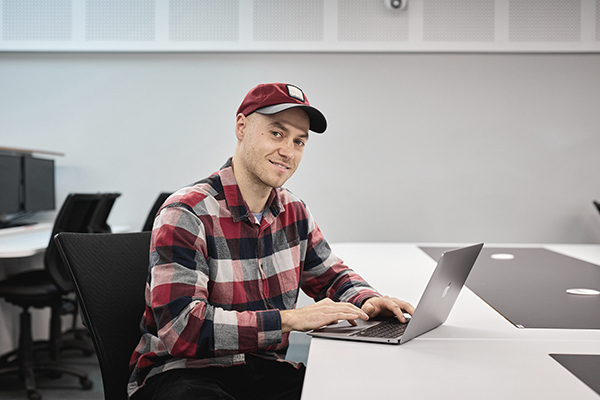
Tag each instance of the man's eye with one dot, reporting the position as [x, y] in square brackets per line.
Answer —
[276, 134]
[300, 143]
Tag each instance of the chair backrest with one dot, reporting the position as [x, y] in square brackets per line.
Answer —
[109, 273]
[152, 214]
[75, 215]
[98, 223]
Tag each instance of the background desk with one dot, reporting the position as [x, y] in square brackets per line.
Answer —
[22, 249]
[24, 241]
[475, 354]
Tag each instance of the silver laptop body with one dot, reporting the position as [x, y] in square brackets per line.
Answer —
[433, 309]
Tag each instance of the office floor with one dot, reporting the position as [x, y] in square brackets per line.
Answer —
[68, 388]
[64, 388]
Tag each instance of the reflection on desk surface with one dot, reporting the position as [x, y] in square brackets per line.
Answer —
[583, 366]
[528, 286]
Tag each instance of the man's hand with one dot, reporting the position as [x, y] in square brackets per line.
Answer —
[387, 306]
[317, 315]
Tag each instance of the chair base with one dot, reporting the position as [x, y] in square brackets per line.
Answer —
[40, 346]
[26, 366]
[77, 339]
[74, 339]
[27, 374]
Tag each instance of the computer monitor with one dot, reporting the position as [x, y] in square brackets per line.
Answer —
[26, 186]
[10, 184]
[38, 184]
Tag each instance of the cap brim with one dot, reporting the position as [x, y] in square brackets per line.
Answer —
[318, 123]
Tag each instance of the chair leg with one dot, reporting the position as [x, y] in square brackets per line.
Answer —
[58, 341]
[55, 327]
[26, 366]
[78, 341]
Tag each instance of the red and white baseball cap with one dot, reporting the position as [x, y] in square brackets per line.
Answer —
[271, 98]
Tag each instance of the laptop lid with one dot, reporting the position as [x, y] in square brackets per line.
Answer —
[433, 308]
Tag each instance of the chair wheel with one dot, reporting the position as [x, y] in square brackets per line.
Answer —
[86, 384]
[33, 395]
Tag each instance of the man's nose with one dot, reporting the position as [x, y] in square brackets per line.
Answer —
[287, 149]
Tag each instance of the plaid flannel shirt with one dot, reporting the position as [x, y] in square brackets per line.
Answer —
[218, 278]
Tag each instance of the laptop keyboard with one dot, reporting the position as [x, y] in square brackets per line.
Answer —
[389, 328]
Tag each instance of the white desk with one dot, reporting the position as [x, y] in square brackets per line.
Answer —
[444, 369]
[27, 241]
[475, 354]
[24, 241]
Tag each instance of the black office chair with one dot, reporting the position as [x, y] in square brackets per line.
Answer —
[46, 288]
[152, 214]
[109, 272]
[99, 222]
[597, 204]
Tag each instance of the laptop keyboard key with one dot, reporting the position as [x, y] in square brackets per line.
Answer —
[390, 328]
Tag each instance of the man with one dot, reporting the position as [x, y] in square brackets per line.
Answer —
[228, 256]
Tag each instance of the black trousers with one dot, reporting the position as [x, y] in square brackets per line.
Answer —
[258, 379]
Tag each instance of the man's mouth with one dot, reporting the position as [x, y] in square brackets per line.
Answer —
[282, 166]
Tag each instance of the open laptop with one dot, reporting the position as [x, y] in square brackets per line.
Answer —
[433, 309]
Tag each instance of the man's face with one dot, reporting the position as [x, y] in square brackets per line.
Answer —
[271, 146]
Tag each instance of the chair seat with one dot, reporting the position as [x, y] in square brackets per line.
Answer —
[30, 289]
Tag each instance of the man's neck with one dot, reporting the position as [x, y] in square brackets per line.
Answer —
[255, 194]
[256, 203]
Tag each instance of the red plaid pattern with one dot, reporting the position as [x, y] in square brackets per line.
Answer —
[218, 278]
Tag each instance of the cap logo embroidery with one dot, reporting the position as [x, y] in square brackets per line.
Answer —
[295, 93]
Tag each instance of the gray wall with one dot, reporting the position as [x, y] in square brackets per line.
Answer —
[420, 147]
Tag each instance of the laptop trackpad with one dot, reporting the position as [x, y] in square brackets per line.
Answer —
[345, 326]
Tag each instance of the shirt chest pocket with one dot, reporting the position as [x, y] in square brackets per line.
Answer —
[284, 264]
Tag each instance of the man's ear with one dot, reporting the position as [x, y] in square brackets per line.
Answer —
[241, 124]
